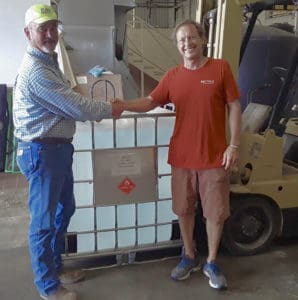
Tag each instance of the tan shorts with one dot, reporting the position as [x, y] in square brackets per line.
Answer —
[211, 187]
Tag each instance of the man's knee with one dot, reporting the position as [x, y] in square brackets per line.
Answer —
[184, 211]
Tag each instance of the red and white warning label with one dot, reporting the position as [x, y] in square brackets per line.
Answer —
[126, 185]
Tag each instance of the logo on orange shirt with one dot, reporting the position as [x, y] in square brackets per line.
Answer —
[207, 81]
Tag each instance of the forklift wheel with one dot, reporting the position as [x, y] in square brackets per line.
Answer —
[252, 226]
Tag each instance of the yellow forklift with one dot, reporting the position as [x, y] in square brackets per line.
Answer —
[264, 189]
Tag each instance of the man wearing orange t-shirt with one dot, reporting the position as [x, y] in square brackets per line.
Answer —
[201, 89]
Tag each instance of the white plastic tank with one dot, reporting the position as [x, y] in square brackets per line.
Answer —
[146, 218]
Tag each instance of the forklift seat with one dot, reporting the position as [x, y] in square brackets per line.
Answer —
[254, 117]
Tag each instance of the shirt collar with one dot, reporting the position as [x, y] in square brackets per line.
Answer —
[47, 58]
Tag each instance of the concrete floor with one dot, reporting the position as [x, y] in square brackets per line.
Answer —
[272, 275]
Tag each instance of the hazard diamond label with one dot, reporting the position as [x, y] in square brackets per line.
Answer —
[126, 185]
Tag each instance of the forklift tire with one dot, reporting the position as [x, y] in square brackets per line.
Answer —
[252, 226]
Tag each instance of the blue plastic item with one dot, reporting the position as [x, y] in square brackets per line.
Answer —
[96, 71]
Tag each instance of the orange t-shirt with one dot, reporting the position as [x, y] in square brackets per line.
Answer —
[200, 97]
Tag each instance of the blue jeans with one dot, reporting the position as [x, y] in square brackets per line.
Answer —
[48, 169]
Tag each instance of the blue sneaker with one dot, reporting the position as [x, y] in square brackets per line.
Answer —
[185, 267]
[216, 279]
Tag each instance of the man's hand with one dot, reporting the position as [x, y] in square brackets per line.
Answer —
[117, 108]
[230, 157]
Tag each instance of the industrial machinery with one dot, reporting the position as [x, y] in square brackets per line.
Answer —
[264, 195]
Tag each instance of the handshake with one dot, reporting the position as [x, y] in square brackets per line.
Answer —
[117, 107]
[139, 105]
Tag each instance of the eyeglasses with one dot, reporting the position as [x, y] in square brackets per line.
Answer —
[187, 38]
[47, 26]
